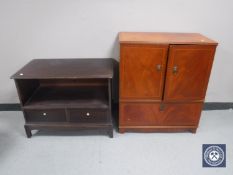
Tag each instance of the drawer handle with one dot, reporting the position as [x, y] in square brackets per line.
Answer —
[158, 67]
[88, 114]
[162, 107]
[44, 113]
[175, 70]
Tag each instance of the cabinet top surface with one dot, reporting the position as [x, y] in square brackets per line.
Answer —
[164, 38]
[66, 68]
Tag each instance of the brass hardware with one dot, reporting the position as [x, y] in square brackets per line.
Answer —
[162, 107]
[158, 67]
[175, 70]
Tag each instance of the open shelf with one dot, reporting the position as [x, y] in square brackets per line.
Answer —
[68, 97]
[66, 94]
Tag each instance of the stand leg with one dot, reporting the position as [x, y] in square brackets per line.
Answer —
[110, 132]
[28, 131]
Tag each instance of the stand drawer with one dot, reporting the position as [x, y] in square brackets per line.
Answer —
[47, 115]
[88, 115]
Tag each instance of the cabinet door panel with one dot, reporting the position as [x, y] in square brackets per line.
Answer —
[188, 72]
[142, 69]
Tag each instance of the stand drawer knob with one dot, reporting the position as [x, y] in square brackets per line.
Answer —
[44, 113]
[87, 114]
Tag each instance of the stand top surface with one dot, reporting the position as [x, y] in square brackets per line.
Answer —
[66, 69]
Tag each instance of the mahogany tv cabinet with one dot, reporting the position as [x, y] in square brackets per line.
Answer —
[59, 94]
[163, 80]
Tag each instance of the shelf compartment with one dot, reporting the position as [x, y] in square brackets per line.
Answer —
[68, 97]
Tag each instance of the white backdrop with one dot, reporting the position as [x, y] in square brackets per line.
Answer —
[88, 28]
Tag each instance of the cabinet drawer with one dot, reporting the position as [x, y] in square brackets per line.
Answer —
[88, 115]
[46, 115]
[150, 114]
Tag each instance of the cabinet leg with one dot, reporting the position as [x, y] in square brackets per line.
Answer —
[194, 130]
[121, 130]
[28, 131]
[110, 132]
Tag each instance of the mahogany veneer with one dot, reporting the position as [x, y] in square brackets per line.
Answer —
[163, 80]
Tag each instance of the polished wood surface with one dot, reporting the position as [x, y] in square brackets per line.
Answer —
[142, 69]
[193, 64]
[170, 100]
[163, 129]
[66, 68]
[66, 93]
[165, 114]
[164, 38]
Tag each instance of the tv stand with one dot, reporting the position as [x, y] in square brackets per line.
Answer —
[66, 94]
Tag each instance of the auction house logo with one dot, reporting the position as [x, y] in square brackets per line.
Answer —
[214, 155]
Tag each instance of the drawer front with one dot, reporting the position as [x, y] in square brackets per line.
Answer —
[187, 114]
[46, 115]
[168, 114]
[139, 114]
[88, 115]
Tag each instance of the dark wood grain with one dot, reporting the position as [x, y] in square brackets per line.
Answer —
[58, 94]
[45, 115]
[26, 88]
[65, 126]
[69, 97]
[66, 68]
[88, 115]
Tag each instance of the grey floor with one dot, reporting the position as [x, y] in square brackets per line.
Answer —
[130, 153]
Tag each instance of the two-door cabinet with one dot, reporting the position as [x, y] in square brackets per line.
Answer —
[163, 80]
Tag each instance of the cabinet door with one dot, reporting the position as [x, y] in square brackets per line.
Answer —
[142, 69]
[188, 72]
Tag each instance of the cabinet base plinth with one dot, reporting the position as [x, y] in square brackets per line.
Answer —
[157, 129]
